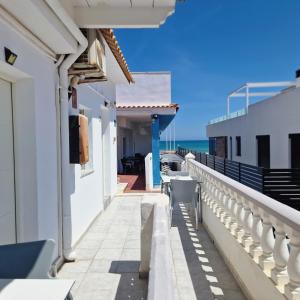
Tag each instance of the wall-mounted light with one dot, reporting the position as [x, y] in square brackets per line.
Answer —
[115, 122]
[154, 117]
[10, 57]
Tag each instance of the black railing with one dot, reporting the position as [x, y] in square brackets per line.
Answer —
[280, 184]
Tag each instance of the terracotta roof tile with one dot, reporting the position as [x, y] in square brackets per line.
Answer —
[112, 42]
[172, 105]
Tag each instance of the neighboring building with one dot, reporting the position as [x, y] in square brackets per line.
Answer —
[43, 195]
[144, 110]
[266, 133]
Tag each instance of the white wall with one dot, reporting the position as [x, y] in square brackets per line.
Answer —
[88, 192]
[277, 117]
[34, 78]
[148, 89]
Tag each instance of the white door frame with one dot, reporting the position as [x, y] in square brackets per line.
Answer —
[26, 206]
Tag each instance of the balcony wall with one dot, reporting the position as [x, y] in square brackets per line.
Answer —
[258, 237]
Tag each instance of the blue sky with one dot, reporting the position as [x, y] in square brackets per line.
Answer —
[211, 48]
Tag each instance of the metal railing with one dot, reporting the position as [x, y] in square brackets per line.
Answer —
[280, 184]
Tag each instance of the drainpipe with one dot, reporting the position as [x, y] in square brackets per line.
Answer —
[58, 262]
[64, 124]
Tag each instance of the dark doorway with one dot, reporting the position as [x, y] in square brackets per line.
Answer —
[263, 151]
[295, 150]
[230, 148]
[221, 146]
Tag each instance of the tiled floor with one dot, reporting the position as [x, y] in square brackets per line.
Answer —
[196, 259]
[109, 255]
[135, 183]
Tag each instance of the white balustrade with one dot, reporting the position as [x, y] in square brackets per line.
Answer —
[266, 260]
[247, 225]
[281, 255]
[233, 223]
[267, 230]
[256, 233]
[292, 289]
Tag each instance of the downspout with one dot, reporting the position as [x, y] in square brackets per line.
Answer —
[64, 124]
[58, 262]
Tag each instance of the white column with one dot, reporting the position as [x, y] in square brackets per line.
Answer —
[281, 255]
[239, 232]
[266, 260]
[292, 290]
[247, 220]
[256, 233]
[233, 222]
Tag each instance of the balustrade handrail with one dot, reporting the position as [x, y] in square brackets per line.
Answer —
[285, 214]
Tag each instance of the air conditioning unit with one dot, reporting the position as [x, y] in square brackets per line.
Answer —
[92, 62]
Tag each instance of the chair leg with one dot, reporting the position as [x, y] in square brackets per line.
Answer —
[196, 217]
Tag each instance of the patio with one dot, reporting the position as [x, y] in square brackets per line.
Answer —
[109, 254]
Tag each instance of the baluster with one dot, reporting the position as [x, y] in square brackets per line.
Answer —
[218, 208]
[213, 194]
[233, 224]
[266, 260]
[210, 191]
[239, 232]
[281, 255]
[247, 224]
[292, 290]
[225, 215]
[228, 211]
[221, 203]
[256, 232]
[215, 197]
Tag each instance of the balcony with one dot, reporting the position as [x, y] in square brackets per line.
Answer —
[250, 93]
[248, 246]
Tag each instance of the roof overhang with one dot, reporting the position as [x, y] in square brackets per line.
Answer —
[112, 42]
[40, 20]
[122, 14]
[143, 110]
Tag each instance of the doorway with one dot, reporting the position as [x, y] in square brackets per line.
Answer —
[230, 139]
[295, 150]
[263, 151]
[7, 167]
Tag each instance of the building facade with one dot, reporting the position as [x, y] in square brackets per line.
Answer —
[266, 134]
[144, 111]
[44, 195]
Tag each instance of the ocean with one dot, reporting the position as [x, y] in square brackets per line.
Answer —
[196, 145]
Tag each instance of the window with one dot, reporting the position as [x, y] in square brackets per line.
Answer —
[238, 145]
[88, 167]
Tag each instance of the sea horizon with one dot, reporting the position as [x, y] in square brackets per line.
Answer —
[200, 145]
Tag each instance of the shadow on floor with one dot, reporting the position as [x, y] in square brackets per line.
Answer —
[130, 285]
[210, 276]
